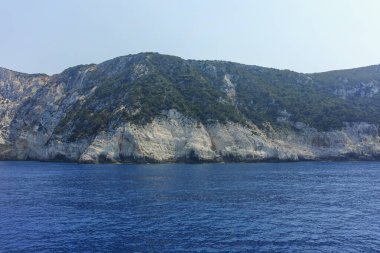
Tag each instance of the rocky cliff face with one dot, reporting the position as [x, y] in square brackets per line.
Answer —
[15, 89]
[154, 108]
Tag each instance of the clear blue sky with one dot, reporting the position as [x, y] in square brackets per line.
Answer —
[302, 35]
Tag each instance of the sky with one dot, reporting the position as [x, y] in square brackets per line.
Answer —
[48, 36]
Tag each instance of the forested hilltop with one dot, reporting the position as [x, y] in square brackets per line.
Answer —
[153, 107]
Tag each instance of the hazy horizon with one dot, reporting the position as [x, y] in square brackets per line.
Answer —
[47, 37]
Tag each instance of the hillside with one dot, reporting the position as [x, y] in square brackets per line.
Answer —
[158, 108]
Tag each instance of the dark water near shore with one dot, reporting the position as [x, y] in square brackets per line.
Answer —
[274, 207]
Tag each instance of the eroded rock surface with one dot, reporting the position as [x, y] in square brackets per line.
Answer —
[153, 108]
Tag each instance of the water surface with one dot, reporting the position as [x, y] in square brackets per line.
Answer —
[273, 207]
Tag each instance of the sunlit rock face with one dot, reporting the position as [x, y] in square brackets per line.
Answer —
[156, 108]
[15, 89]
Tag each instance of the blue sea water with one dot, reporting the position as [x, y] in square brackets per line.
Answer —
[260, 207]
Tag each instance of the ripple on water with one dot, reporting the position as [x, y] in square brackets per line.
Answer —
[282, 207]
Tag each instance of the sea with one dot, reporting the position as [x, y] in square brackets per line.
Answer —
[237, 207]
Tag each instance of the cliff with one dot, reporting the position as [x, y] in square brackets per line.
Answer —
[156, 108]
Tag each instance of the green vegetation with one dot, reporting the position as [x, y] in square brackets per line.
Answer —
[139, 101]
[197, 89]
[262, 94]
